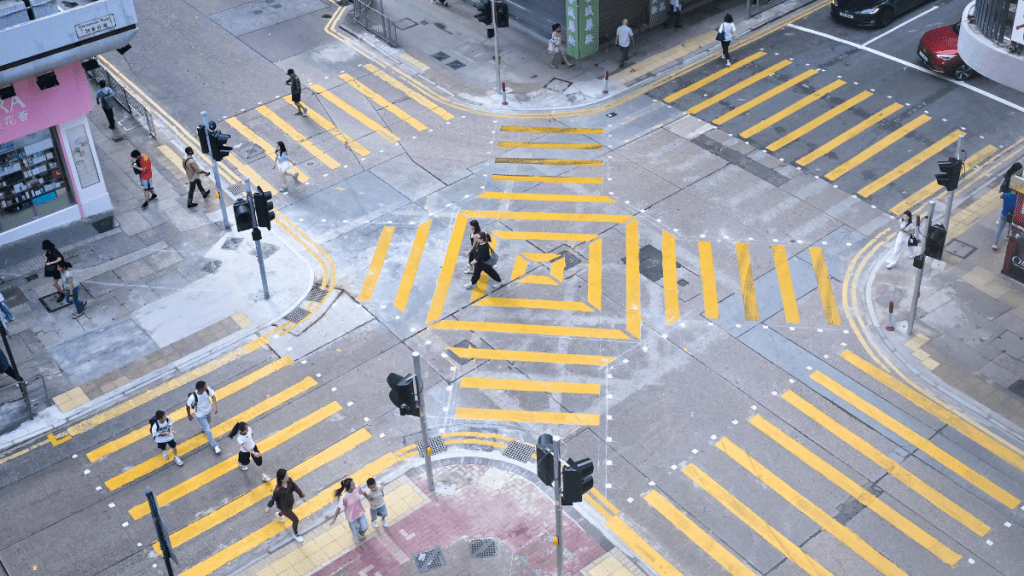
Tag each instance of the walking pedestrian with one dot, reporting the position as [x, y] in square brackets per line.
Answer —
[483, 260]
[1009, 202]
[7, 368]
[52, 256]
[247, 448]
[726, 31]
[556, 46]
[296, 85]
[675, 11]
[906, 232]
[474, 239]
[105, 98]
[71, 288]
[375, 497]
[163, 433]
[5, 311]
[144, 168]
[192, 174]
[204, 402]
[624, 39]
[349, 500]
[284, 498]
[283, 165]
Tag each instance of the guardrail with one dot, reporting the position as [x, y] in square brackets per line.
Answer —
[128, 102]
[375, 22]
[993, 19]
[16, 400]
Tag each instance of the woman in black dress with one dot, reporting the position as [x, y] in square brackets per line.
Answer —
[50, 271]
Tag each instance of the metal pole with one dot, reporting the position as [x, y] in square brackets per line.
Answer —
[22, 385]
[559, 554]
[257, 236]
[920, 272]
[216, 174]
[497, 56]
[427, 451]
[949, 199]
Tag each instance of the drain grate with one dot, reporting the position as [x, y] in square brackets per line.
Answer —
[268, 249]
[570, 259]
[483, 547]
[440, 56]
[437, 446]
[296, 315]
[650, 263]
[231, 244]
[961, 249]
[456, 64]
[518, 451]
[250, 152]
[316, 295]
[430, 560]
[212, 266]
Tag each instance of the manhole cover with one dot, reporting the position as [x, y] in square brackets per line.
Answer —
[405, 24]
[296, 315]
[570, 259]
[437, 446]
[463, 344]
[212, 266]
[558, 85]
[440, 56]
[682, 282]
[455, 65]
[650, 263]
[250, 152]
[430, 560]
[231, 244]
[960, 249]
[316, 295]
[268, 250]
[104, 224]
[483, 547]
[519, 451]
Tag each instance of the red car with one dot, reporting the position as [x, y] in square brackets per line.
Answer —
[938, 49]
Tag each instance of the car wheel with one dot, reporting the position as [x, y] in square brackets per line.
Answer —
[963, 72]
[885, 18]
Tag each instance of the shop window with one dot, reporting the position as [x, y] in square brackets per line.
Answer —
[81, 155]
[33, 179]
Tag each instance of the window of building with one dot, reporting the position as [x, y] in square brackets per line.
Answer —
[33, 179]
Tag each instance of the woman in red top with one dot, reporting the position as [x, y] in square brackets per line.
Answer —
[284, 499]
[144, 168]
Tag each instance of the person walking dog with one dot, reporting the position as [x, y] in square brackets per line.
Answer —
[556, 46]
[247, 448]
[349, 495]
[192, 174]
[204, 402]
[284, 498]
[163, 433]
[726, 32]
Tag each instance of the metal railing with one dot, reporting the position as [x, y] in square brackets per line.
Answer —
[17, 399]
[993, 19]
[755, 7]
[125, 98]
[375, 22]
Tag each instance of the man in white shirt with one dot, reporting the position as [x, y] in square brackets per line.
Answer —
[204, 402]
[624, 39]
[675, 10]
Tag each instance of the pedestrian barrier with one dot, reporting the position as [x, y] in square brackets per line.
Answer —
[125, 98]
[375, 22]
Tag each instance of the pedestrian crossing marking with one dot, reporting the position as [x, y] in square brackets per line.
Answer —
[641, 548]
[908, 478]
[670, 277]
[785, 284]
[828, 298]
[923, 444]
[564, 305]
[297, 136]
[548, 216]
[197, 441]
[546, 130]
[757, 101]
[382, 102]
[534, 329]
[845, 136]
[528, 197]
[698, 536]
[747, 282]
[227, 465]
[336, 132]
[529, 356]
[451, 258]
[741, 85]
[877, 147]
[551, 145]
[179, 414]
[271, 151]
[633, 319]
[755, 522]
[820, 120]
[528, 416]
[411, 93]
[707, 279]
[412, 265]
[550, 179]
[356, 114]
[545, 236]
[376, 263]
[595, 274]
[550, 161]
[256, 180]
[791, 109]
[932, 187]
[530, 385]
[909, 165]
[712, 77]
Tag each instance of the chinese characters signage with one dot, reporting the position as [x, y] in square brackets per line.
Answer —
[31, 109]
[12, 111]
[581, 27]
[95, 26]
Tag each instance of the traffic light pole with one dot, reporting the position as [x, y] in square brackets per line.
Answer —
[558, 504]
[949, 199]
[920, 271]
[216, 177]
[257, 236]
[497, 52]
[427, 451]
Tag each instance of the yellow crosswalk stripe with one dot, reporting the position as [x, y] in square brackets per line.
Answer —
[351, 111]
[376, 264]
[922, 444]
[670, 277]
[530, 385]
[534, 329]
[262, 492]
[195, 442]
[785, 284]
[741, 85]
[791, 109]
[828, 298]
[712, 77]
[747, 282]
[761, 99]
[642, 549]
[451, 258]
[528, 356]
[551, 179]
[846, 136]
[829, 524]
[326, 124]
[528, 197]
[932, 187]
[412, 265]
[528, 416]
[916, 484]
[755, 522]
[270, 150]
[548, 216]
[699, 537]
[298, 137]
[877, 147]
[546, 236]
[179, 414]
[633, 319]
[546, 130]
[551, 145]
[802, 131]
[707, 278]
[383, 102]
[550, 161]
[225, 466]
[595, 274]
[415, 95]
[909, 165]
[173, 159]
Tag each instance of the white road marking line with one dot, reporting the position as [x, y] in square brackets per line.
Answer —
[900, 26]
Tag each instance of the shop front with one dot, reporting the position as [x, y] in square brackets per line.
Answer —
[49, 173]
[1013, 262]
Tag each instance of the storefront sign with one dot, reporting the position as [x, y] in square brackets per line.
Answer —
[581, 23]
[1017, 32]
[95, 26]
[32, 109]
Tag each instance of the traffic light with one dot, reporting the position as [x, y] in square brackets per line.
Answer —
[501, 10]
[264, 207]
[546, 459]
[219, 144]
[577, 478]
[201, 134]
[243, 215]
[950, 176]
[936, 241]
[403, 394]
[484, 14]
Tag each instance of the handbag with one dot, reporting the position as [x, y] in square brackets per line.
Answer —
[913, 241]
[721, 35]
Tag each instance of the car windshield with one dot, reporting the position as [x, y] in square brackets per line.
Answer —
[956, 28]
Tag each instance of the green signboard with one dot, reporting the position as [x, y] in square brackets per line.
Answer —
[581, 25]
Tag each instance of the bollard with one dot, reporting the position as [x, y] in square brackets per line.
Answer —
[890, 327]
[504, 102]
[605, 82]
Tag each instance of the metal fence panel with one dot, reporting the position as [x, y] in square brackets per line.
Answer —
[993, 19]
[375, 22]
[125, 98]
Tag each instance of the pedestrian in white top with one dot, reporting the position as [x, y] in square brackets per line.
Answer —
[726, 31]
[160, 428]
[283, 165]
[906, 231]
[247, 448]
[204, 401]
[556, 46]
[675, 8]
[624, 39]
[375, 496]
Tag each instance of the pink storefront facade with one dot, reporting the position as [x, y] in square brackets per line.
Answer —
[49, 170]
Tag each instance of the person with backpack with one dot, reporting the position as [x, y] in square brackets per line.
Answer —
[105, 98]
[71, 288]
[375, 496]
[483, 260]
[192, 174]
[1009, 198]
[247, 448]
[348, 496]
[296, 86]
[204, 402]
[284, 498]
[160, 428]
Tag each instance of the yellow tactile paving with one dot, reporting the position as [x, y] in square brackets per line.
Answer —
[661, 59]
[241, 319]
[968, 215]
[172, 158]
[71, 399]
